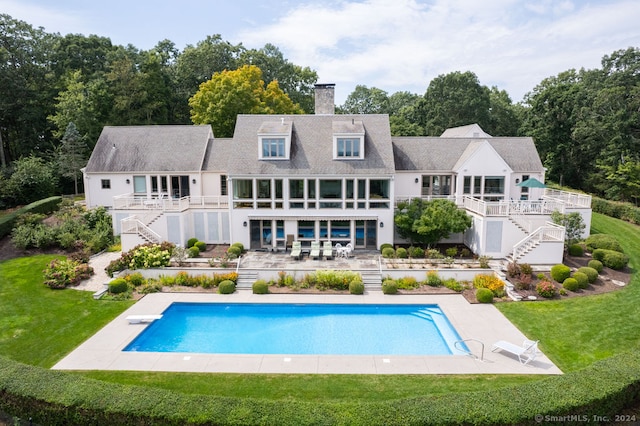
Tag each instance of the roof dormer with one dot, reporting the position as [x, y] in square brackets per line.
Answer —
[348, 140]
[274, 140]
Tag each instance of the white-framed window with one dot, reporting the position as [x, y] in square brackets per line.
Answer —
[348, 148]
[273, 148]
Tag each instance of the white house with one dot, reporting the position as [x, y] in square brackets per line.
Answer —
[321, 177]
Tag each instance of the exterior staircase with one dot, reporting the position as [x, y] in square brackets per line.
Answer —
[372, 280]
[246, 279]
[141, 225]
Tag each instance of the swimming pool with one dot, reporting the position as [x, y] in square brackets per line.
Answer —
[309, 329]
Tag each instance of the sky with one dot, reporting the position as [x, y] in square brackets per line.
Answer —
[394, 45]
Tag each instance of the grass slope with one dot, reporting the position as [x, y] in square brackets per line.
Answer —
[576, 332]
[38, 325]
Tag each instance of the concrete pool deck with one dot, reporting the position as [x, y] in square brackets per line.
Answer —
[482, 322]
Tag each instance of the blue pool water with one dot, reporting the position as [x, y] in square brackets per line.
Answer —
[311, 329]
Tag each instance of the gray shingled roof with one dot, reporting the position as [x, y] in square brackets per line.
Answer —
[150, 149]
[442, 154]
[218, 154]
[312, 146]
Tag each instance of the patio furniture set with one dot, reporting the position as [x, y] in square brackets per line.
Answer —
[318, 251]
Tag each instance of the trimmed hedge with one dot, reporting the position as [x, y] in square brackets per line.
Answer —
[570, 284]
[581, 278]
[625, 211]
[560, 272]
[54, 398]
[226, 287]
[260, 287]
[595, 264]
[388, 252]
[484, 295]
[356, 287]
[576, 250]
[45, 206]
[389, 286]
[603, 241]
[611, 259]
[591, 273]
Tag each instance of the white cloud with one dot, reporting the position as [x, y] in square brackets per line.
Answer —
[52, 18]
[403, 44]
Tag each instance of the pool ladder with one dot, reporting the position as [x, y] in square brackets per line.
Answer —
[457, 344]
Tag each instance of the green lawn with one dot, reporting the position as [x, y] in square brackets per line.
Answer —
[576, 332]
[39, 326]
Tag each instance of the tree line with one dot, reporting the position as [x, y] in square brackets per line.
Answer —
[57, 92]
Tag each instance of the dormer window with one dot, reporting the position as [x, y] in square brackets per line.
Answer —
[348, 140]
[274, 140]
[348, 148]
[273, 148]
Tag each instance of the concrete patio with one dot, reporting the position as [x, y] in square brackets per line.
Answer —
[483, 323]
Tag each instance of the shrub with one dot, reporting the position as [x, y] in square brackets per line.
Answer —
[570, 284]
[451, 252]
[465, 252]
[546, 289]
[119, 285]
[388, 252]
[490, 282]
[240, 246]
[453, 284]
[591, 273]
[433, 279]
[135, 279]
[416, 252]
[401, 253]
[389, 287]
[484, 295]
[611, 259]
[513, 269]
[202, 246]
[226, 287]
[384, 246]
[576, 250]
[191, 242]
[150, 286]
[260, 287]
[234, 251]
[560, 272]
[408, 283]
[356, 287]
[61, 273]
[524, 282]
[581, 278]
[194, 251]
[603, 241]
[595, 264]
[526, 269]
[433, 254]
[149, 256]
[484, 262]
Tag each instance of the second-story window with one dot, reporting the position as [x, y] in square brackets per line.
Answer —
[273, 148]
[348, 148]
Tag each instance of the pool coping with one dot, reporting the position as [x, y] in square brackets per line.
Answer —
[482, 322]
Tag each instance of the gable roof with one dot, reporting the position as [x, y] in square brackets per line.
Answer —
[312, 139]
[217, 156]
[434, 154]
[468, 131]
[150, 149]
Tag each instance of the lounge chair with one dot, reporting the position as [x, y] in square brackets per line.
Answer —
[296, 249]
[525, 353]
[327, 250]
[349, 250]
[315, 249]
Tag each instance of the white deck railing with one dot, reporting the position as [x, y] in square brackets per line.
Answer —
[133, 225]
[571, 199]
[164, 203]
[548, 232]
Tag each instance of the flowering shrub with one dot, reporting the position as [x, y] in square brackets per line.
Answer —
[490, 282]
[65, 272]
[546, 289]
[329, 279]
[143, 256]
[433, 279]
[408, 283]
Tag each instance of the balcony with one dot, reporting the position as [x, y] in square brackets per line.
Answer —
[164, 203]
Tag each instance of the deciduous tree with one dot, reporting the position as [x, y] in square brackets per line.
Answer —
[428, 222]
[230, 93]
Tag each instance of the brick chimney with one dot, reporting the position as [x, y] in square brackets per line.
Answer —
[324, 99]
